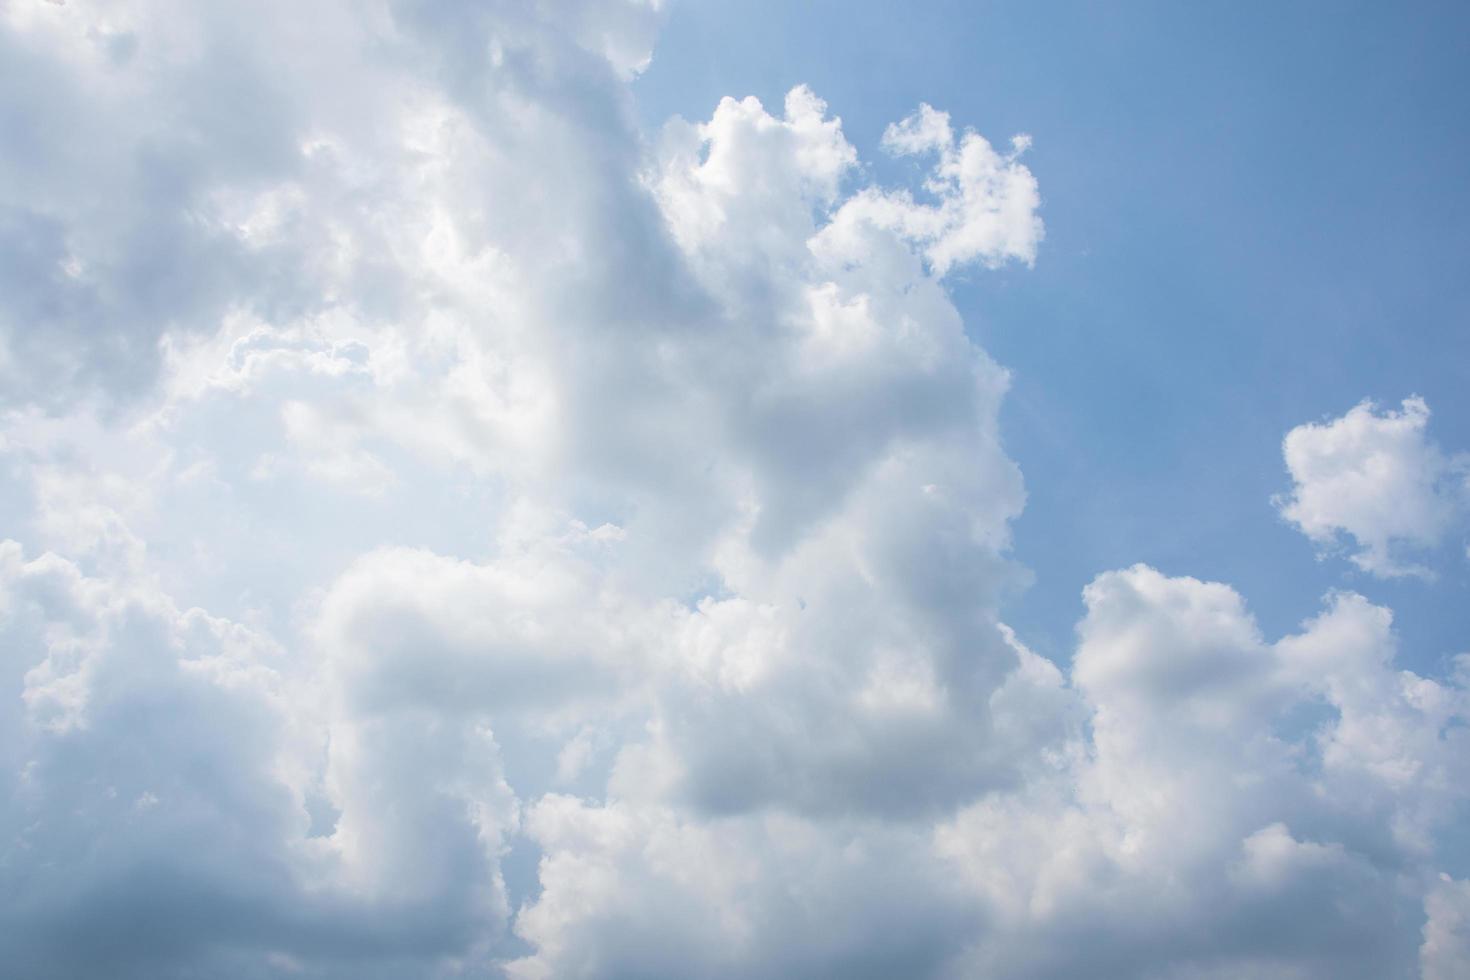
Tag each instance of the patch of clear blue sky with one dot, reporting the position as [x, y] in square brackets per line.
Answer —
[1257, 214]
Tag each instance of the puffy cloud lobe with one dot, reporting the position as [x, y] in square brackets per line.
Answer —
[1446, 949]
[985, 202]
[159, 782]
[1379, 478]
[604, 548]
[1181, 838]
[756, 895]
[1204, 830]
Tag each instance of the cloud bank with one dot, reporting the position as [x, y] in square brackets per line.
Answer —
[451, 533]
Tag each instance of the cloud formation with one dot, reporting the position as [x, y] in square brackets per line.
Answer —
[453, 534]
[1378, 478]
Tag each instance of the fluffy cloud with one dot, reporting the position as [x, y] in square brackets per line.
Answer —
[1446, 950]
[1204, 829]
[454, 535]
[1379, 478]
[1196, 827]
[167, 778]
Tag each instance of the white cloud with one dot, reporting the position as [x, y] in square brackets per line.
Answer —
[1378, 478]
[1191, 834]
[160, 772]
[454, 537]
[1203, 832]
[987, 201]
[1446, 950]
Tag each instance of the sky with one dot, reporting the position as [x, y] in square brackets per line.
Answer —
[615, 488]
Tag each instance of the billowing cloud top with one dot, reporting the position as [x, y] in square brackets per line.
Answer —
[451, 533]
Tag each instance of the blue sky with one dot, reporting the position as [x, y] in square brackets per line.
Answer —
[1257, 215]
[600, 489]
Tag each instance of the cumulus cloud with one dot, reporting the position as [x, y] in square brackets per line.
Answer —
[1378, 478]
[1203, 830]
[987, 201]
[451, 533]
[1446, 949]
